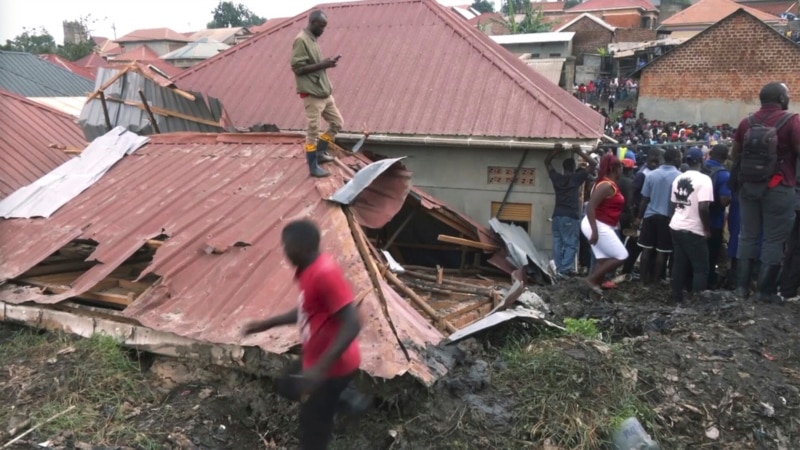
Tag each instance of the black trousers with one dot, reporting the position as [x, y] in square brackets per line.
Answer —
[317, 412]
[714, 249]
[790, 277]
[690, 257]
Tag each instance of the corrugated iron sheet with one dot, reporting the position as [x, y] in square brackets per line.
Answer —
[158, 93]
[30, 133]
[550, 68]
[206, 190]
[27, 75]
[409, 67]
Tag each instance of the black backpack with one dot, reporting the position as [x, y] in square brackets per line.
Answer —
[759, 160]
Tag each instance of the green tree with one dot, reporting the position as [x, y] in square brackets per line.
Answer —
[483, 6]
[512, 5]
[32, 40]
[228, 14]
[571, 3]
[532, 21]
[74, 52]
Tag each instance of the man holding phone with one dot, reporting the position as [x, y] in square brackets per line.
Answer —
[314, 87]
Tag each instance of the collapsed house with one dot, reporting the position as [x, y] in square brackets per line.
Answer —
[178, 245]
[146, 102]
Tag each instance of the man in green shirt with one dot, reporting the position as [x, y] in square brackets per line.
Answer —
[315, 89]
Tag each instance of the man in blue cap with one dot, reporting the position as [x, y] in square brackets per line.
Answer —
[691, 198]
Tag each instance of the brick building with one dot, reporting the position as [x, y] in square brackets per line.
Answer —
[715, 76]
[620, 13]
[593, 34]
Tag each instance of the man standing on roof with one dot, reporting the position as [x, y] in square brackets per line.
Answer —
[314, 87]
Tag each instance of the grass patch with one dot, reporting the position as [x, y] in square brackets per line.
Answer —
[95, 375]
[571, 391]
[582, 327]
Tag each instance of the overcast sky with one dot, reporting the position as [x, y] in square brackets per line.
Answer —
[128, 15]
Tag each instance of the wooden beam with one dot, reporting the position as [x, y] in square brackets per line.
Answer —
[451, 223]
[467, 243]
[421, 303]
[456, 314]
[400, 229]
[154, 243]
[166, 112]
[149, 112]
[114, 299]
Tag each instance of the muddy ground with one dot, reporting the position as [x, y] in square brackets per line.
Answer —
[713, 373]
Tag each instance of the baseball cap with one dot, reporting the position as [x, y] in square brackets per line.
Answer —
[628, 163]
[694, 155]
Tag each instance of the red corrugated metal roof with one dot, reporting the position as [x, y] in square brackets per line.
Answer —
[409, 67]
[218, 190]
[141, 53]
[29, 129]
[153, 34]
[603, 5]
[712, 11]
[774, 8]
[73, 67]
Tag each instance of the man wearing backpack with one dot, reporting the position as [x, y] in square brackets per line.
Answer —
[715, 168]
[765, 149]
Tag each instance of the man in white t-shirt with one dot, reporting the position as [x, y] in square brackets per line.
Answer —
[691, 198]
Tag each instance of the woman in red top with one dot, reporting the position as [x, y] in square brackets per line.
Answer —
[602, 217]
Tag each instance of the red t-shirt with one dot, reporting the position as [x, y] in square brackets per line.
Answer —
[324, 291]
[788, 136]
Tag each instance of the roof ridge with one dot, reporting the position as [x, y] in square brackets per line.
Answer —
[463, 25]
[38, 105]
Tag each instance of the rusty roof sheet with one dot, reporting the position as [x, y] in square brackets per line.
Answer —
[208, 190]
[30, 130]
[409, 67]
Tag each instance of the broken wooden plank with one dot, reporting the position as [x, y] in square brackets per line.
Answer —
[458, 313]
[114, 299]
[467, 242]
[417, 300]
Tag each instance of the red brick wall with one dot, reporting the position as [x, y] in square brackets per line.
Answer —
[731, 61]
[634, 35]
[589, 36]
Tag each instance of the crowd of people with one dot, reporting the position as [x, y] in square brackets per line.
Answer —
[698, 206]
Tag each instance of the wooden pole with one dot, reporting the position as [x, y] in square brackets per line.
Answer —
[419, 301]
[149, 112]
[424, 276]
[105, 110]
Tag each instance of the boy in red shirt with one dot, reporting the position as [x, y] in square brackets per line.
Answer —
[329, 327]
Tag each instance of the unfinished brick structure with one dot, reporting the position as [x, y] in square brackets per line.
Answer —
[715, 77]
[592, 33]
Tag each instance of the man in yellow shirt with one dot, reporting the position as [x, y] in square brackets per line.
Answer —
[315, 89]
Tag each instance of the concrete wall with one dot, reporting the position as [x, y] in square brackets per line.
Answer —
[543, 49]
[459, 178]
[713, 111]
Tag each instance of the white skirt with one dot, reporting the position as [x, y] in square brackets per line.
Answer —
[608, 244]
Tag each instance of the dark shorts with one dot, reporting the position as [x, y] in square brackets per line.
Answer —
[655, 233]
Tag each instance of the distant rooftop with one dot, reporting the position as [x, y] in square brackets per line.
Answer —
[29, 76]
[153, 34]
[534, 38]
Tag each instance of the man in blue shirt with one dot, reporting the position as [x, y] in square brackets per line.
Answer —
[715, 168]
[654, 216]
